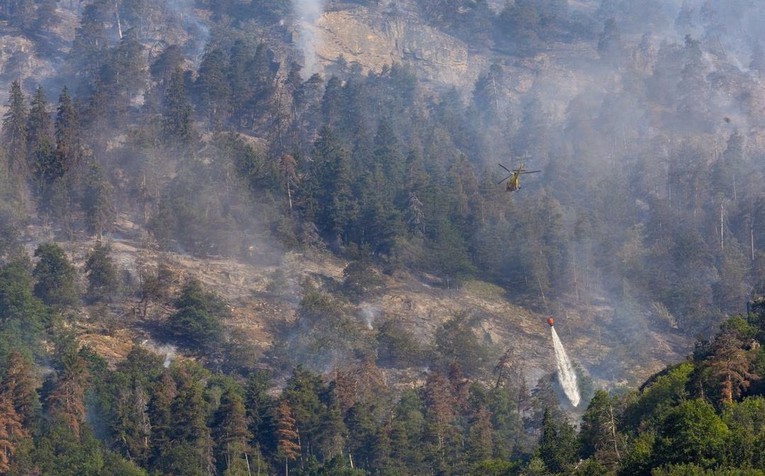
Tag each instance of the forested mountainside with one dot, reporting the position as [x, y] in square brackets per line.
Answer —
[268, 236]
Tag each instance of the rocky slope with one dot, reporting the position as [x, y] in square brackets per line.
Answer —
[373, 38]
[417, 304]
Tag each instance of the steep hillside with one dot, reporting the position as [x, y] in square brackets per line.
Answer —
[373, 37]
[263, 295]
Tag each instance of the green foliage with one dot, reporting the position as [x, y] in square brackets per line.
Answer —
[494, 467]
[14, 134]
[557, 446]
[598, 435]
[360, 277]
[691, 469]
[55, 277]
[58, 451]
[196, 323]
[691, 432]
[456, 342]
[397, 347]
[101, 271]
[325, 333]
[177, 126]
[659, 395]
[97, 201]
[206, 209]
[23, 315]
[625, 206]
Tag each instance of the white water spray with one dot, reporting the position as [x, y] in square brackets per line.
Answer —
[566, 374]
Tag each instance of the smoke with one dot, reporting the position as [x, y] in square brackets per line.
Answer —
[197, 30]
[308, 13]
[368, 314]
[170, 352]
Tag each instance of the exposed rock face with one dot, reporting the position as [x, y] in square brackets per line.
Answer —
[375, 39]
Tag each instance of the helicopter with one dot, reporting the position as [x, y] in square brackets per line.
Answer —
[513, 180]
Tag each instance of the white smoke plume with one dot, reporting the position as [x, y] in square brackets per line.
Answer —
[198, 32]
[168, 351]
[369, 313]
[308, 13]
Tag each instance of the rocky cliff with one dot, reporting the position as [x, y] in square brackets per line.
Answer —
[376, 38]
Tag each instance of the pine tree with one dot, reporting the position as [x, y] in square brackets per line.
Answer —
[189, 432]
[332, 433]
[22, 315]
[197, 319]
[730, 362]
[240, 86]
[388, 156]
[56, 277]
[160, 73]
[130, 421]
[39, 136]
[96, 201]
[336, 207]
[213, 88]
[20, 383]
[88, 52]
[177, 126]
[303, 394]
[66, 402]
[15, 138]
[231, 433]
[101, 272]
[479, 441]
[10, 431]
[287, 436]
[439, 416]
[125, 74]
[598, 435]
[12, 422]
[557, 445]
[161, 417]
[67, 134]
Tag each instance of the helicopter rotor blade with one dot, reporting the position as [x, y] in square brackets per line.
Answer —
[504, 179]
[529, 171]
[505, 169]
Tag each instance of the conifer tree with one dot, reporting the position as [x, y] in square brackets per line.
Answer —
[191, 451]
[479, 441]
[598, 435]
[66, 402]
[101, 272]
[177, 126]
[125, 74]
[91, 40]
[336, 207]
[557, 445]
[131, 426]
[56, 277]
[231, 433]
[96, 201]
[13, 393]
[20, 383]
[213, 88]
[10, 431]
[161, 417]
[15, 138]
[40, 143]
[439, 416]
[238, 81]
[287, 436]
